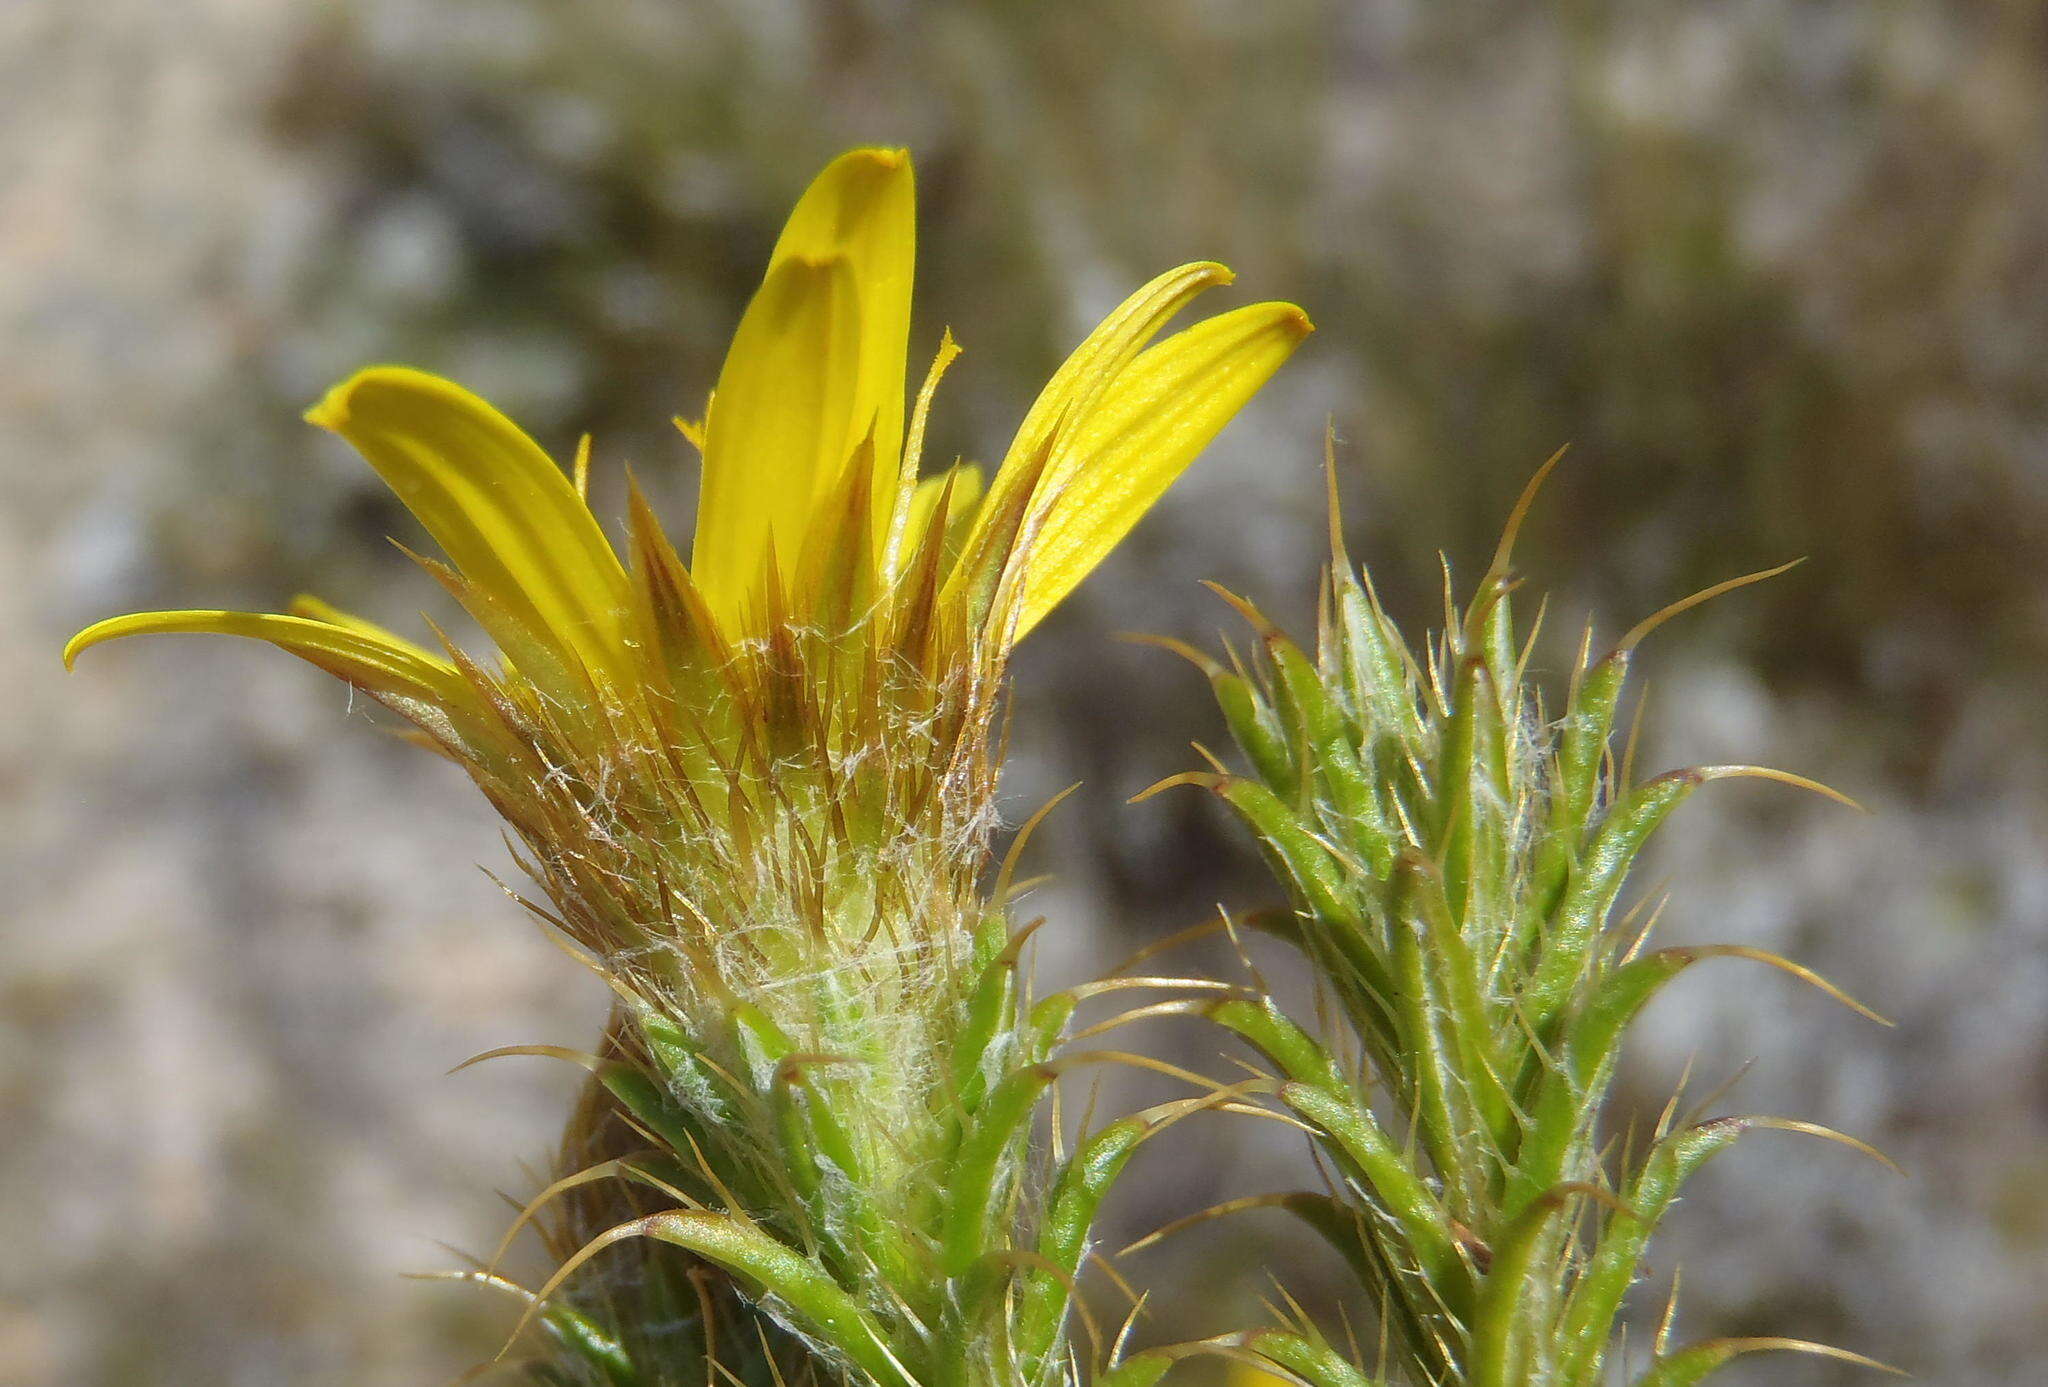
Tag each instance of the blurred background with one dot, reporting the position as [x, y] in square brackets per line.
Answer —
[1777, 269]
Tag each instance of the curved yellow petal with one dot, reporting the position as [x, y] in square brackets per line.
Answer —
[506, 515]
[1090, 368]
[373, 664]
[1157, 415]
[779, 432]
[863, 206]
[1037, 458]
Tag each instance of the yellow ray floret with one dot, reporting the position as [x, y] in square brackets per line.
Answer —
[863, 208]
[816, 367]
[1160, 412]
[499, 507]
[380, 665]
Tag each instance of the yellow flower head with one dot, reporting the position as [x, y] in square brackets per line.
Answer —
[771, 721]
[757, 789]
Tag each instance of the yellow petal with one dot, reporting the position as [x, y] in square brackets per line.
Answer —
[864, 207]
[1156, 417]
[1088, 371]
[777, 437]
[375, 665]
[1068, 397]
[506, 515]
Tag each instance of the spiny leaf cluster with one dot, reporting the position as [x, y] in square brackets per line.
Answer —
[1455, 857]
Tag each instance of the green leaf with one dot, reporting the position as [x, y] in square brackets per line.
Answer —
[800, 1283]
[1569, 937]
[973, 1185]
[1139, 1370]
[1589, 1313]
[1364, 1148]
[1077, 1194]
[1311, 1360]
[580, 1336]
[1695, 1362]
[1496, 1322]
[1256, 729]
